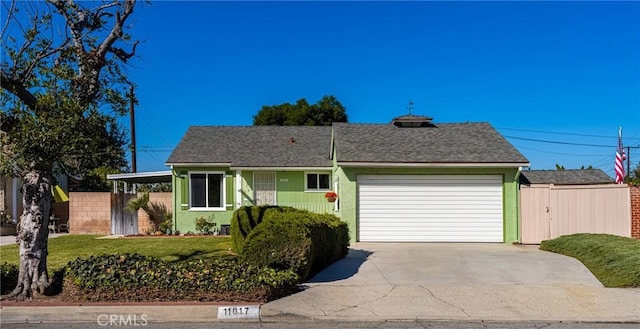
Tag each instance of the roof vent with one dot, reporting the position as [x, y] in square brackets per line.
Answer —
[412, 121]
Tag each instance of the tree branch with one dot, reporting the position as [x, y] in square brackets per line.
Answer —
[76, 30]
[27, 42]
[105, 6]
[16, 87]
[44, 54]
[116, 31]
[123, 55]
[9, 15]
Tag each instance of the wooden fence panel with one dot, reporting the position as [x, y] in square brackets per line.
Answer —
[123, 222]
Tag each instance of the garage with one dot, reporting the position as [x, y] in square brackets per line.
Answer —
[430, 208]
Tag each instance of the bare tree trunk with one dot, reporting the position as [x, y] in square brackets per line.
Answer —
[33, 233]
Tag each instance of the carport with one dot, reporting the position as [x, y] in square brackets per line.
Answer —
[124, 222]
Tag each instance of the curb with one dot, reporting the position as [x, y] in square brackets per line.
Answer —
[126, 315]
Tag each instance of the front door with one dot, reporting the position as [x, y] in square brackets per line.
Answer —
[264, 185]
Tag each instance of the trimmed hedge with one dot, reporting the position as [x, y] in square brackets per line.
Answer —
[133, 277]
[303, 242]
[281, 243]
[246, 218]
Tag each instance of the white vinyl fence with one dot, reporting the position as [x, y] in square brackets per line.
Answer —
[549, 211]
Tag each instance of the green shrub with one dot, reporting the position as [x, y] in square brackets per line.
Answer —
[141, 201]
[282, 243]
[247, 218]
[204, 226]
[8, 277]
[113, 271]
[132, 277]
[157, 212]
[302, 242]
[330, 238]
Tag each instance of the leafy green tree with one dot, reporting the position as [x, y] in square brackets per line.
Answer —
[154, 187]
[63, 85]
[561, 167]
[323, 113]
[633, 176]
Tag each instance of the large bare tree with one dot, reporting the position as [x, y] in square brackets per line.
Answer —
[63, 86]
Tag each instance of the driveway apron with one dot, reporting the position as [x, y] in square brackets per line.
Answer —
[450, 281]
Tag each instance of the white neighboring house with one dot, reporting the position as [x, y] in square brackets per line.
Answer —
[10, 197]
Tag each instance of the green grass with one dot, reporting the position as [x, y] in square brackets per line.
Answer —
[614, 260]
[174, 249]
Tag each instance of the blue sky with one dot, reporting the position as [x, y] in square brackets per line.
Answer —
[561, 69]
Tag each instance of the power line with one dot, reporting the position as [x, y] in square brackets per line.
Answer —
[154, 125]
[153, 156]
[154, 150]
[564, 133]
[560, 153]
[602, 162]
[558, 142]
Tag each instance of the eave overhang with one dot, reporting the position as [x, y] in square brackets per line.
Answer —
[432, 164]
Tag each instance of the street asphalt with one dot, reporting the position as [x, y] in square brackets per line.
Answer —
[378, 282]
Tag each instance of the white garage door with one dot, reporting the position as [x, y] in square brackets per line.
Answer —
[430, 208]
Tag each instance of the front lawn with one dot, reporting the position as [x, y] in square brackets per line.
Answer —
[67, 248]
[144, 269]
[614, 260]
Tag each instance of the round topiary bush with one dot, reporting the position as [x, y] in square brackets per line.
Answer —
[281, 242]
[245, 219]
[302, 242]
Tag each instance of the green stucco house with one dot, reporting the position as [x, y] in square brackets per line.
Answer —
[408, 181]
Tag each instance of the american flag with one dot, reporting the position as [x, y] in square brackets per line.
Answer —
[620, 157]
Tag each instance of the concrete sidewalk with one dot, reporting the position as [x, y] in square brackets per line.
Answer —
[375, 282]
[11, 239]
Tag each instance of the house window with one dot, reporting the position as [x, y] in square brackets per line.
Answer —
[317, 182]
[206, 191]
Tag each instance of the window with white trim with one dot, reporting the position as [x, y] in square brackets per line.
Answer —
[315, 181]
[206, 190]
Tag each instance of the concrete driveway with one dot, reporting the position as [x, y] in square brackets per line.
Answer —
[470, 282]
[442, 263]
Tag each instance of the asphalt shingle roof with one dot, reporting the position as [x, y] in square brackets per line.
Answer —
[565, 177]
[441, 143]
[255, 146]
[269, 146]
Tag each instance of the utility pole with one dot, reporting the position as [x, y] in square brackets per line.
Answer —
[628, 159]
[133, 129]
[628, 154]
